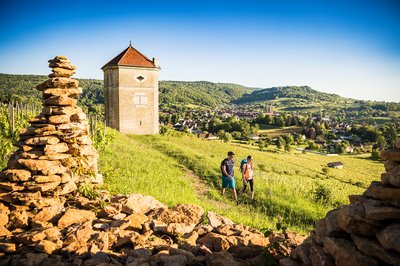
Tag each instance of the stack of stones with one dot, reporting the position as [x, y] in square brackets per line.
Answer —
[366, 232]
[55, 154]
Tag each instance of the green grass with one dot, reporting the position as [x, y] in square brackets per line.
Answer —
[130, 167]
[285, 183]
[275, 132]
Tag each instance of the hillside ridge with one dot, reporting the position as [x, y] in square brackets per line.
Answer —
[18, 87]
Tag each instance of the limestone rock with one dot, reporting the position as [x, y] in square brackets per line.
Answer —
[42, 140]
[45, 166]
[373, 212]
[351, 218]
[46, 178]
[78, 117]
[345, 253]
[372, 248]
[42, 187]
[392, 177]
[46, 246]
[390, 155]
[158, 226]
[203, 229]
[177, 229]
[303, 253]
[56, 148]
[217, 242]
[224, 258]
[389, 237]
[138, 203]
[136, 221]
[320, 257]
[10, 186]
[62, 100]
[61, 72]
[7, 247]
[72, 216]
[16, 175]
[3, 219]
[216, 220]
[66, 188]
[68, 92]
[58, 82]
[4, 232]
[385, 193]
[48, 213]
[189, 213]
[59, 119]
[389, 165]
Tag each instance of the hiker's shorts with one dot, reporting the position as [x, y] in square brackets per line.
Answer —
[226, 182]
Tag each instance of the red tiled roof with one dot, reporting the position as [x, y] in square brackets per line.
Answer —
[131, 57]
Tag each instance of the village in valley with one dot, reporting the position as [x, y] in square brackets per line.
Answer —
[200, 122]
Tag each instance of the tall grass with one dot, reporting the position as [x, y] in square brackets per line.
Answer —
[288, 185]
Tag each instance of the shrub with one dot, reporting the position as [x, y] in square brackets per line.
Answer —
[322, 194]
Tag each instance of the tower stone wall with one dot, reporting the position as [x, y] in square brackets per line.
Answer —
[131, 95]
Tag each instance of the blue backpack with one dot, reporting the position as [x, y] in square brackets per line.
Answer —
[244, 161]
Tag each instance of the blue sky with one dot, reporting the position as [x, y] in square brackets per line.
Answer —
[351, 48]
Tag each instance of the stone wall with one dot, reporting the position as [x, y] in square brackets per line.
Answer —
[366, 232]
[121, 85]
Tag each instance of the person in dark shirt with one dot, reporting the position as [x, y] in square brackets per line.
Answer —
[228, 178]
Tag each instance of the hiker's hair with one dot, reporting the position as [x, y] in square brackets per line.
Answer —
[249, 157]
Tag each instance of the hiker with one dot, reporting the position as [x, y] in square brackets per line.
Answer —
[247, 170]
[228, 179]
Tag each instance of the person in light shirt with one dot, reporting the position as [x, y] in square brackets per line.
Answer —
[248, 175]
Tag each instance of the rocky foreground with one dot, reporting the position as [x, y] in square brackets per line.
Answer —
[45, 220]
[365, 232]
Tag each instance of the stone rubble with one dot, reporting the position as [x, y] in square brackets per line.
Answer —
[44, 220]
[365, 232]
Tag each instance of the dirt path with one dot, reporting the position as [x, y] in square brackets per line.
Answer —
[203, 190]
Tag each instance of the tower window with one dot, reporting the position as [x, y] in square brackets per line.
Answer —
[140, 78]
[140, 99]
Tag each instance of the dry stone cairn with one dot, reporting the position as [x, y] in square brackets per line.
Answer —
[55, 155]
[366, 232]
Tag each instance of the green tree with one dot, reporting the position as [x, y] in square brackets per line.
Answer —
[227, 137]
[280, 142]
[262, 145]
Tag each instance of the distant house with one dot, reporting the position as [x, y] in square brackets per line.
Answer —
[203, 135]
[338, 165]
[254, 137]
[349, 149]
[211, 137]
[178, 126]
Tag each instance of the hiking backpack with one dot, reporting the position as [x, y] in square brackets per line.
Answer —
[244, 161]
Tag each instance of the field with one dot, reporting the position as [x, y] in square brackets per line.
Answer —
[274, 132]
[292, 189]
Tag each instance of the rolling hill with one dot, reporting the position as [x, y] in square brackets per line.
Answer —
[203, 93]
[21, 88]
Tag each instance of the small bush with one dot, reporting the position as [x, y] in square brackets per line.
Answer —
[322, 194]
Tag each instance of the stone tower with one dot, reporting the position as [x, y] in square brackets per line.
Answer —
[131, 93]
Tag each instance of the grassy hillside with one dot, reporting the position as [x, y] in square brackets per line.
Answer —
[290, 188]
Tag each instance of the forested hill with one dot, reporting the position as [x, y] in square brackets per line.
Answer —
[290, 98]
[201, 92]
[20, 88]
[294, 92]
